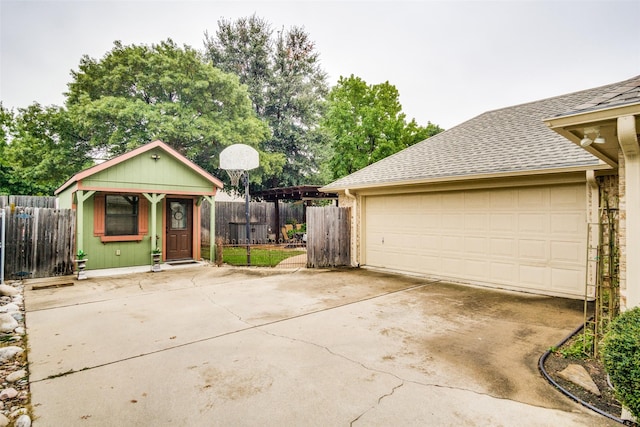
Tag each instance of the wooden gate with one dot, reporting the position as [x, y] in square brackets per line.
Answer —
[39, 242]
[328, 236]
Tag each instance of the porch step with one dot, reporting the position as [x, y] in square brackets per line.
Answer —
[182, 262]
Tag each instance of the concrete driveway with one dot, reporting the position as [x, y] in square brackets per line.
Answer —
[209, 346]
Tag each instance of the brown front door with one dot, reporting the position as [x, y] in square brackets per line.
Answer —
[179, 229]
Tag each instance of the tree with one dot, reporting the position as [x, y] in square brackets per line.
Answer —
[367, 124]
[287, 88]
[137, 94]
[43, 151]
[6, 123]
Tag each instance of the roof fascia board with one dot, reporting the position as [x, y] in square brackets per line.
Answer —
[465, 179]
[567, 178]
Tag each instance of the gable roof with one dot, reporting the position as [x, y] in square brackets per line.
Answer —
[140, 150]
[503, 142]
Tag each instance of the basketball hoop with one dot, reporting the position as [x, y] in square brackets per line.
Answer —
[238, 159]
[235, 175]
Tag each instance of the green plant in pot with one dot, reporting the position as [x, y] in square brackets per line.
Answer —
[81, 264]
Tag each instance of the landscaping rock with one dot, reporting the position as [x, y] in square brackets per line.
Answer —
[17, 375]
[579, 376]
[4, 421]
[8, 393]
[9, 308]
[7, 323]
[9, 291]
[8, 353]
[23, 421]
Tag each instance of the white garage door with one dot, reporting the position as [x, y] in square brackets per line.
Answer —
[530, 238]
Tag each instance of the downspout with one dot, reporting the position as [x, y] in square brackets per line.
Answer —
[628, 139]
[354, 234]
[593, 227]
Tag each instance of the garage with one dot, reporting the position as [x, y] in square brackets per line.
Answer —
[529, 238]
[500, 200]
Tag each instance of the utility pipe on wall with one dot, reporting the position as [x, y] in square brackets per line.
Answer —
[354, 233]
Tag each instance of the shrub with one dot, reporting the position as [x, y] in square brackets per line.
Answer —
[621, 357]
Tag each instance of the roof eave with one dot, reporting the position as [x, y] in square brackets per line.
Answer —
[461, 178]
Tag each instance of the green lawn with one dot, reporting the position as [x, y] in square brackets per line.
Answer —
[260, 257]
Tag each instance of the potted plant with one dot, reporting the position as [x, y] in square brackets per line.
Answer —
[81, 264]
[156, 255]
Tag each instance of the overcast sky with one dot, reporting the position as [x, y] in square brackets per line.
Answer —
[449, 60]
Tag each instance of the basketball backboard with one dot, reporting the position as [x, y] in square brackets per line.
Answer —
[239, 157]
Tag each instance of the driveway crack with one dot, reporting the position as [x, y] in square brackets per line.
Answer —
[393, 390]
[402, 380]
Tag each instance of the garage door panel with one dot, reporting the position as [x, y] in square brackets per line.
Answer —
[567, 251]
[503, 200]
[453, 244]
[452, 201]
[533, 223]
[535, 250]
[501, 272]
[567, 280]
[504, 222]
[502, 247]
[476, 222]
[430, 221]
[567, 223]
[475, 245]
[477, 269]
[566, 197]
[532, 198]
[450, 266]
[476, 200]
[535, 275]
[527, 238]
[453, 222]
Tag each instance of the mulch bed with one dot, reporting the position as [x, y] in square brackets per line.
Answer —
[607, 402]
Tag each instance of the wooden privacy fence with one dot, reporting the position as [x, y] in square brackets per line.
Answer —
[233, 212]
[328, 236]
[28, 201]
[39, 242]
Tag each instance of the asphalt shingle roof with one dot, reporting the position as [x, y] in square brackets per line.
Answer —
[512, 139]
[627, 92]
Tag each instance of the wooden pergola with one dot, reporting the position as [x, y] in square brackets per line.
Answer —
[305, 193]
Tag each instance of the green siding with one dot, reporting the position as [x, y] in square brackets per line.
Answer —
[103, 255]
[166, 175]
[65, 198]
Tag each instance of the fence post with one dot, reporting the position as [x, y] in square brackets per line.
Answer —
[2, 246]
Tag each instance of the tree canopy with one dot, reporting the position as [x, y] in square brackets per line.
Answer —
[138, 93]
[287, 87]
[367, 124]
[40, 150]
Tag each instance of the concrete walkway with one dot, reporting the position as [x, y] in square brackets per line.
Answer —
[208, 346]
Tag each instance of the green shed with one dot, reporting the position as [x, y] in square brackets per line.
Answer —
[133, 204]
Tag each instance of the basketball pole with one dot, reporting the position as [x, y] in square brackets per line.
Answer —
[245, 177]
